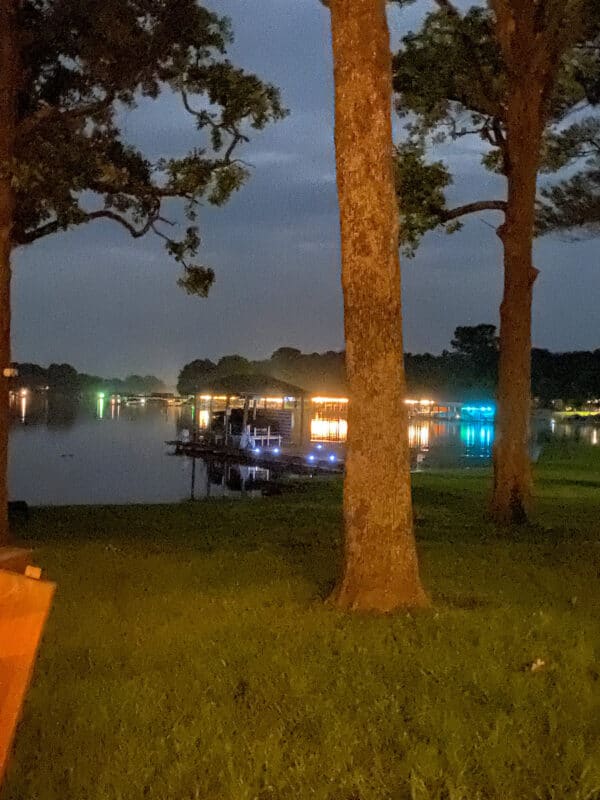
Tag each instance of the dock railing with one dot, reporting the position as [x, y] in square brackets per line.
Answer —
[262, 437]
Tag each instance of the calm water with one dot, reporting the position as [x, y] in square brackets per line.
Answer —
[68, 453]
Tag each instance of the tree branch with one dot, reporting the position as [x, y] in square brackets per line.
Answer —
[55, 226]
[473, 208]
[234, 133]
[46, 112]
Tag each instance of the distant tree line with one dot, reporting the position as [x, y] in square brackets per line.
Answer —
[64, 379]
[469, 370]
[315, 372]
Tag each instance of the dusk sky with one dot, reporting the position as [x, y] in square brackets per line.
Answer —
[110, 305]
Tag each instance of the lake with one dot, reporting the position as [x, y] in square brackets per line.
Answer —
[64, 452]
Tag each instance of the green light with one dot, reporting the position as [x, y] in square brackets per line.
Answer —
[101, 395]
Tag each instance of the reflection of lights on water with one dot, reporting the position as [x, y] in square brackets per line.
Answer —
[203, 418]
[100, 406]
[468, 434]
[23, 406]
[329, 430]
[594, 439]
[418, 436]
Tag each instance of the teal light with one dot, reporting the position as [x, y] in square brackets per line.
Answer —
[483, 413]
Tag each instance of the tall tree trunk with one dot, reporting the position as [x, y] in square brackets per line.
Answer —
[380, 571]
[8, 92]
[512, 470]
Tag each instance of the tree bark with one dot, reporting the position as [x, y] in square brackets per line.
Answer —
[8, 93]
[380, 570]
[512, 469]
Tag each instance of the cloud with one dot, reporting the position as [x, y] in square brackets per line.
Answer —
[110, 305]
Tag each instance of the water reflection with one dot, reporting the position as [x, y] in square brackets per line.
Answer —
[437, 444]
[213, 478]
[418, 436]
[478, 440]
[115, 408]
[60, 454]
[587, 433]
[100, 406]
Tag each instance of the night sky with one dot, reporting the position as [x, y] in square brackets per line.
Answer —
[110, 305]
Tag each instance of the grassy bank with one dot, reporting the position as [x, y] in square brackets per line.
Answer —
[189, 653]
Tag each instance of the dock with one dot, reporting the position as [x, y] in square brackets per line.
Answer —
[295, 462]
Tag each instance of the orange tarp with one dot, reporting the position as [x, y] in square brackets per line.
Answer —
[24, 606]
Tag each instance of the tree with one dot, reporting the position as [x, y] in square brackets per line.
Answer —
[234, 365]
[29, 376]
[67, 69]
[286, 355]
[63, 378]
[510, 73]
[193, 376]
[380, 570]
[477, 342]
[476, 347]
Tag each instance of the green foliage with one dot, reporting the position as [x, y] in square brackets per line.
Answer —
[469, 371]
[234, 365]
[83, 63]
[193, 376]
[420, 189]
[189, 653]
[65, 379]
[574, 204]
[316, 372]
[62, 378]
[450, 72]
[477, 349]
[476, 341]
[451, 82]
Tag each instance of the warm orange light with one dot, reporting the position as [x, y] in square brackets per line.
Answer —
[418, 436]
[328, 430]
[330, 400]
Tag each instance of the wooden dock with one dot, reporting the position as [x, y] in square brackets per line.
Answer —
[298, 463]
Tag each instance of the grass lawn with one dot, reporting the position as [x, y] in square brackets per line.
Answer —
[189, 654]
